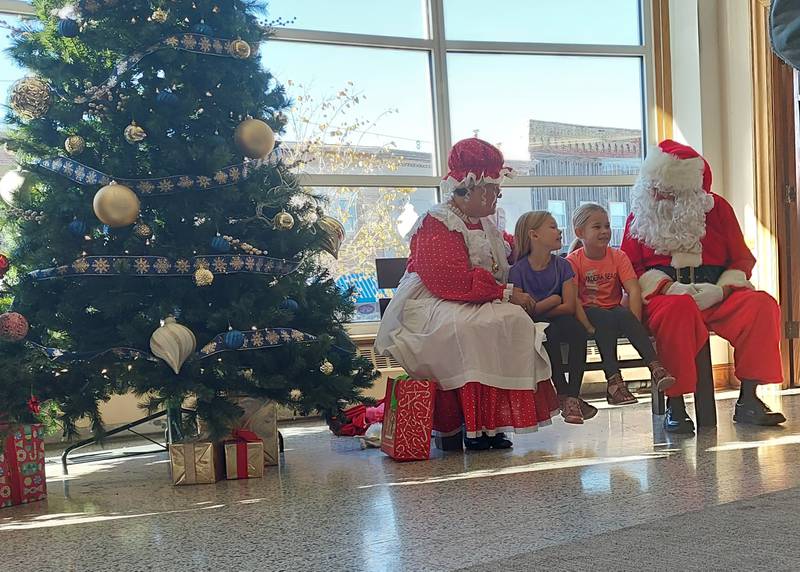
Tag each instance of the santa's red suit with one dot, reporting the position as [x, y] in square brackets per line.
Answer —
[712, 245]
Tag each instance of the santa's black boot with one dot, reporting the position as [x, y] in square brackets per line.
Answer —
[751, 410]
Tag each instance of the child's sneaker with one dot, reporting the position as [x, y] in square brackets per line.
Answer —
[571, 412]
[617, 393]
[662, 379]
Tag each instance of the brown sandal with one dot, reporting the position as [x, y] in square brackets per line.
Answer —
[617, 393]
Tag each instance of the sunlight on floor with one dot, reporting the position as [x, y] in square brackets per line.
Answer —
[529, 468]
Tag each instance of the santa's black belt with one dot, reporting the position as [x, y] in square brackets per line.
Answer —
[692, 275]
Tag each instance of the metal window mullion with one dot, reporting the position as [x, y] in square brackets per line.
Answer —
[360, 40]
[441, 91]
[16, 8]
[533, 48]
[571, 181]
[648, 75]
[416, 181]
[424, 181]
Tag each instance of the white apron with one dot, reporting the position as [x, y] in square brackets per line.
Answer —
[494, 343]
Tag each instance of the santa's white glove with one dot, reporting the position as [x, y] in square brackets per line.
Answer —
[708, 295]
[677, 289]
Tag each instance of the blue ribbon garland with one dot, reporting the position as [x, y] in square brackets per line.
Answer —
[188, 42]
[226, 176]
[253, 340]
[162, 266]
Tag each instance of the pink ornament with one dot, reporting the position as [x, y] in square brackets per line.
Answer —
[13, 327]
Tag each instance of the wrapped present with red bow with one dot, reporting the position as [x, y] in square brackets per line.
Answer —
[408, 418]
[22, 477]
[244, 455]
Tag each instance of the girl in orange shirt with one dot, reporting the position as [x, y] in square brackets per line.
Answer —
[601, 274]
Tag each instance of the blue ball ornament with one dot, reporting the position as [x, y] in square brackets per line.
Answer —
[234, 339]
[78, 228]
[290, 305]
[68, 28]
[203, 28]
[219, 244]
[166, 98]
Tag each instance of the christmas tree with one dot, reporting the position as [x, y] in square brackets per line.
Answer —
[160, 244]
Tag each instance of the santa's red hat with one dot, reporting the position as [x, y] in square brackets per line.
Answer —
[677, 168]
[472, 162]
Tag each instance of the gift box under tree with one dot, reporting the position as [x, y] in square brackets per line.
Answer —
[408, 419]
[244, 456]
[22, 476]
[196, 463]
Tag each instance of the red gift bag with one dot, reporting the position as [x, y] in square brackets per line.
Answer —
[22, 478]
[408, 419]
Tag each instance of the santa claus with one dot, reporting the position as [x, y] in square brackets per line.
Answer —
[694, 267]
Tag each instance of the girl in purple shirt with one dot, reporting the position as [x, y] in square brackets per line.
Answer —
[548, 278]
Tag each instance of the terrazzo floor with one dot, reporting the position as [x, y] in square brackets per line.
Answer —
[332, 506]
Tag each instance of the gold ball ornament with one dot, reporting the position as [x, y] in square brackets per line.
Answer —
[203, 277]
[254, 138]
[240, 49]
[159, 16]
[333, 235]
[142, 230]
[283, 221]
[116, 205]
[134, 134]
[31, 98]
[326, 367]
[75, 144]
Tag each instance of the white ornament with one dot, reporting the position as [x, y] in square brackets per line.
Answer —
[12, 187]
[173, 343]
[68, 12]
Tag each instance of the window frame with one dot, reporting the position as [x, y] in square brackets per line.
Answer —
[438, 47]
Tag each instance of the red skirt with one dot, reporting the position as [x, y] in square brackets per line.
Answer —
[485, 409]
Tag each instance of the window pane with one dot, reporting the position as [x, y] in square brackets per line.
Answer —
[365, 111]
[545, 21]
[9, 73]
[396, 18]
[377, 222]
[618, 213]
[518, 200]
[588, 122]
[558, 210]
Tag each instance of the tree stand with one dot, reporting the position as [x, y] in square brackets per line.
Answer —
[172, 434]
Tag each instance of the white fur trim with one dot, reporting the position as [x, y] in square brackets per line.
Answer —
[684, 259]
[651, 281]
[450, 184]
[672, 173]
[733, 277]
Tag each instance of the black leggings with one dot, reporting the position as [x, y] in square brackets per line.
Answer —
[612, 323]
[566, 330]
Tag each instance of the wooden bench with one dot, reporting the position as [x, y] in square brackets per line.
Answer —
[390, 270]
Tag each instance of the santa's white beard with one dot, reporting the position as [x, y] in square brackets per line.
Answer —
[669, 226]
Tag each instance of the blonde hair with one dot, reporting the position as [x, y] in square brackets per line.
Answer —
[531, 220]
[580, 217]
